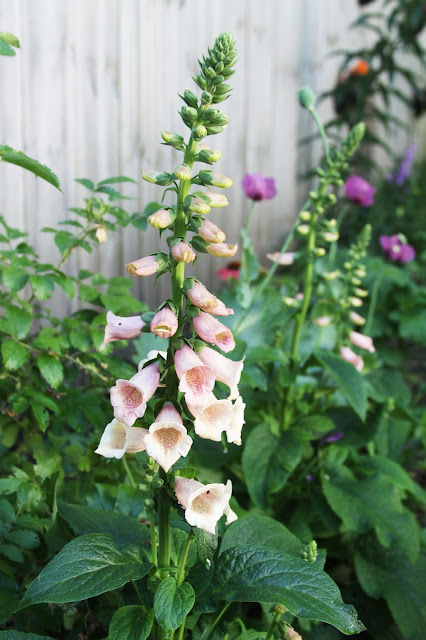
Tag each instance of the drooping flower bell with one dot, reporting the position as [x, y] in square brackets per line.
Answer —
[204, 504]
[258, 187]
[167, 439]
[129, 397]
[203, 299]
[165, 323]
[213, 331]
[118, 439]
[217, 417]
[361, 341]
[347, 354]
[118, 328]
[146, 266]
[196, 379]
[360, 191]
[161, 219]
[224, 370]
[222, 249]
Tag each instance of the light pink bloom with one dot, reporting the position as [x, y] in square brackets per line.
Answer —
[222, 249]
[213, 331]
[160, 219]
[118, 439]
[361, 341]
[224, 370]
[167, 439]
[219, 416]
[143, 267]
[119, 328]
[129, 397]
[165, 323]
[356, 318]
[204, 504]
[202, 298]
[285, 260]
[211, 233]
[182, 252]
[322, 321]
[196, 379]
[347, 354]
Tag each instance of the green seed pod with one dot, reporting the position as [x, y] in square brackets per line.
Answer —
[306, 98]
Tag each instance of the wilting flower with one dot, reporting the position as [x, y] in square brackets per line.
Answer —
[182, 252]
[196, 379]
[211, 233]
[203, 299]
[347, 354]
[397, 248]
[222, 249]
[361, 341]
[118, 439]
[213, 331]
[144, 266]
[167, 439]
[119, 328]
[258, 187]
[356, 318]
[224, 370]
[284, 260]
[129, 397]
[165, 323]
[322, 321]
[204, 504]
[217, 417]
[360, 191]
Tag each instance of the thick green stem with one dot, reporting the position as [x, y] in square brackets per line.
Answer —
[181, 573]
[163, 528]
[153, 538]
[274, 622]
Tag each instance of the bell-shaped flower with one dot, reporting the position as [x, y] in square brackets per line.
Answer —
[361, 341]
[258, 187]
[145, 266]
[360, 191]
[284, 259]
[167, 439]
[213, 331]
[118, 439]
[216, 200]
[347, 354]
[224, 370]
[220, 416]
[165, 323]
[211, 233]
[118, 328]
[196, 379]
[203, 299]
[129, 397]
[204, 504]
[182, 252]
[222, 249]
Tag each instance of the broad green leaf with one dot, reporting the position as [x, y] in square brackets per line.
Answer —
[116, 180]
[265, 354]
[8, 603]
[261, 531]
[6, 49]
[14, 278]
[23, 538]
[20, 635]
[19, 322]
[84, 568]
[173, 603]
[256, 574]
[372, 503]
[65, 240]
[250, 260]
[349, 380]
[178, 542]
[51, 369]
[12, 552]
[43, 286]
[206, 546]
[123, 529]
[14, 354]
[390, 575]
[313, 425]
[9, 38]
[86, 183]
[133, 622]
[7, 154]
[7, 512]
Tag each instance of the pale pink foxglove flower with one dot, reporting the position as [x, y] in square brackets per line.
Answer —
[322, 321]
[143, 267]
[161, 219]
[129, 397]
[203, 299]
[347, 354]
[199, 207]
[118, 439]
[211, 233]
[182, 252]
[224, 370]
[196, 380]
[216, 200]
[356, 318]
[222, 249]
[233, 433]
[167, 439]
[118, 328]
[204, 504]
[165, 323]
[284, 260]
[220, 416]
[213, 331]
[361, 341]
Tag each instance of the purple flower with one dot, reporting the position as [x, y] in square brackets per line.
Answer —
[335, 437]
[258, 187]
[360, 191]
[404, 168]
[397, 248]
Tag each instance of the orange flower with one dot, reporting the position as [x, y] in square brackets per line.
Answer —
[360, 69]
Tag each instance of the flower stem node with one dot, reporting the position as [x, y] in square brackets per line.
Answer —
[306, 98]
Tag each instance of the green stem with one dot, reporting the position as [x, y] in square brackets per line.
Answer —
[163, 528]
[128, 472]
[184, 556]
[249, 216]
[277, 615]
[207, 631]
[136, 588]
[153, 538]
[321, 130]
[373, 304]
[244, 251]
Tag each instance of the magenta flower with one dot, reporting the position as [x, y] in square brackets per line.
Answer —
[360, 191]
[397, 248]
[119, 328]
[258, 187]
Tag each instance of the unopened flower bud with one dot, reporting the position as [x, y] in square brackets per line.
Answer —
[211, 233]
[173, 139]
[291, 634]
[322, 321]
[206, 98]
[355, 281]
[305, 216]
[198, 133]
[215, 179]
[189, 114]
[182, 252]
[361, 293]
[147, 266]
[290, 302]
[216, 200]
[222, 249]
[330, 275]
[183, 172]
[356, 318]
[205, 154]
[330, 236]
[149, 504]
[190, 98]
[157, 483]
[160, 219]
[199, 206]
[306, 97]
[332, 223]
[361, 341]
[101, 234]
[143, 487]
[157, 177]
[361, 273]
[319, 252]
[355, 302]
[303, 229]
[165, 323]
[347, 266]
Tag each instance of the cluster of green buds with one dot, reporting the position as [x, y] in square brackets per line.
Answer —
[355, 271]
